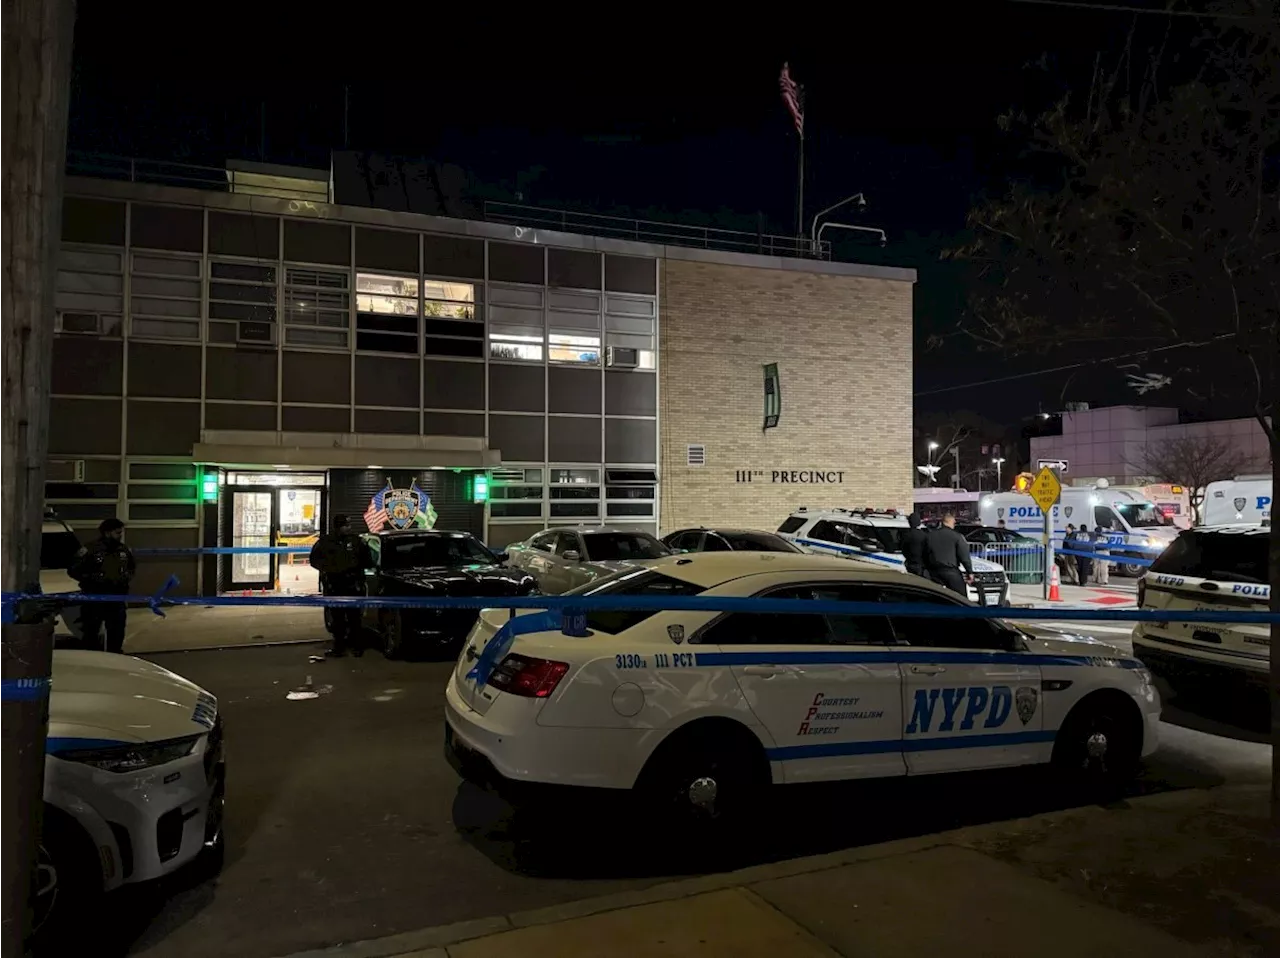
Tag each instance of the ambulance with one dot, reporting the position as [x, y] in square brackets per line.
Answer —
[1125, 515]
[1244, 500]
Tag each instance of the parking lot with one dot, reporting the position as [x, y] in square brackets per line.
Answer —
[345, 822]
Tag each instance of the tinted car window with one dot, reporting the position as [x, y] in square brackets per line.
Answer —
[407, 552]
[801, 628]
[791, 524]
[1216, 555]
[756, 542]
[714, 543]
[632, 582]
[566, 542]
[606, 546]
[684, 540]
[943, 633]
[544, 542]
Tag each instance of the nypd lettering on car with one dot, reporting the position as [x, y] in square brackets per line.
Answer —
[782, 698]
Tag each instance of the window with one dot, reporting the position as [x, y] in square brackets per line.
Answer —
[629, 324]
[167, 491]
[630, 582]
[612, 546]
[1142, 515]
[573, 347]
[544, 542]
[863, 536]
[685, 542]
[944, 633]
[713, 543]
[630, 493]
[387, 313]
[791, 628]
[575, 493]
[1105, 519]
[449, 300]
[317, 305]
[409, 552]
[246, 294]
[568, 542]
[89, 295]
[1225, 556]
[791, 524]
[165, 297]
[756, 542]
[453, 323]
[515, 492]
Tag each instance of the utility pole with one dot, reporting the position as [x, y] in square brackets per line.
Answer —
[37, 37]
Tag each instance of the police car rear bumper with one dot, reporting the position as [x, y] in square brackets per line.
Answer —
[1176, 659]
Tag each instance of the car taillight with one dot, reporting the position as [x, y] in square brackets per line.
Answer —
[532, 678]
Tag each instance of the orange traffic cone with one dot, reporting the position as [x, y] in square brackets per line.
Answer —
[1055, 591]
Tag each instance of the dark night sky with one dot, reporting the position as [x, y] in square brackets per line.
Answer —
[624, 115]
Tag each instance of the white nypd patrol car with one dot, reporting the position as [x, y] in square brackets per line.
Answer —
[1210, 568]
[133, 779]
[875, 536]
[698, 709]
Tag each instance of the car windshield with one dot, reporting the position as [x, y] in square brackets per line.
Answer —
[606, 546]
[1142, 515]
[1225, 556]
[407, 552]
[757, 542]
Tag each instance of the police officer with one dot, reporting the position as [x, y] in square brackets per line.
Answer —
[948, 553]
[341, 558]
[105, 567]
[915, 545]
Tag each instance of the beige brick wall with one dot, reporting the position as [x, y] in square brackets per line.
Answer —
[843, 349]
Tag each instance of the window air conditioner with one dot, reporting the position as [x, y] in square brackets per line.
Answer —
[89, 323]
[253, 332]
[623, 357]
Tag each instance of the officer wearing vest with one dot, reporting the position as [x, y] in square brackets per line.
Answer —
[105, 567]
[341, 558]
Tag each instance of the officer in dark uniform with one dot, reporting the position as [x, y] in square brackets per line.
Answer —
[948, 554]
[341, 558]
[105, 567]
[915, 546]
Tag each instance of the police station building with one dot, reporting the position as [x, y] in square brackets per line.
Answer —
[239, 357]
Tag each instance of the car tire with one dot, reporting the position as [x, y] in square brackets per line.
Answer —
[1132, 569]
[704, 780]
[1099, 745]
[66, 889]
[393, 636]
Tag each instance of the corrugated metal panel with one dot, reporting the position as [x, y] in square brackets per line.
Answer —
[351, 489]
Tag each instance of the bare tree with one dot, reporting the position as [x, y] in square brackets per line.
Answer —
[1147, 224]
[1193, 462]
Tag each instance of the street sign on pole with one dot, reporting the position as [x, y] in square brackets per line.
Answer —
[1060, 465]
[1046, 490]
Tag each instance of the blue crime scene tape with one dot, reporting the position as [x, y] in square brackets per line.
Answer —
[609, 603]
[24, 690]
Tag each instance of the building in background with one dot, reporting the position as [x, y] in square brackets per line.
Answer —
[237, 358]
[1115, 442]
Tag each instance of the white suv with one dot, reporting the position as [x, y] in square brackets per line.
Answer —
[875, 536]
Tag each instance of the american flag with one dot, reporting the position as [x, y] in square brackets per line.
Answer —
[793, 97]
[375, 517]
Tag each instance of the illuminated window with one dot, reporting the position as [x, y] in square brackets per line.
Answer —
[577, 347]
[448, 300]
[387, 313]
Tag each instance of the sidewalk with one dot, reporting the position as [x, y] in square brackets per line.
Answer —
[1176, 874]
[1122, 594]
[188, 627]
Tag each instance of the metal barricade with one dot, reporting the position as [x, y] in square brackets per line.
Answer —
[1022, 562]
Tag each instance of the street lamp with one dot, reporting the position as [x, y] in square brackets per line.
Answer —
[999, 461]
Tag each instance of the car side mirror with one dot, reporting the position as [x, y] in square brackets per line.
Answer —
[571, 555]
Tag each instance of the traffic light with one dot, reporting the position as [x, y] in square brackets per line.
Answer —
[480, 488]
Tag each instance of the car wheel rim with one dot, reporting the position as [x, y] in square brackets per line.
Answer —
[44, 888]
[701, 794]
[392, 642]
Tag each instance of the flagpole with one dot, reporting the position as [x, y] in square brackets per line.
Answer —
[800, 189]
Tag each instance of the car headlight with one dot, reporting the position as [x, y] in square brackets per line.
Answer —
[132, 758]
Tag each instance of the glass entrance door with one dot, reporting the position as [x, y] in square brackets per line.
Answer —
[252, 522]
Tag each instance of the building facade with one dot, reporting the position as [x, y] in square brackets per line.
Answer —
[1113, 442]
[231, 369]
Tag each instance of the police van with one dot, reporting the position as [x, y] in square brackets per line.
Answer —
[1127, 518]
[1244, 499]
[696, 711]
[875, 536]
[1217, 568]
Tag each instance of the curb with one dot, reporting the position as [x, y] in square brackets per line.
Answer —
[442, 936]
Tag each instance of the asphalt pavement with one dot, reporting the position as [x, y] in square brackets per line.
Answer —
[344, 821]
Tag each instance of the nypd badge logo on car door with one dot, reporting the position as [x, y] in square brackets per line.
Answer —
[1024, 700]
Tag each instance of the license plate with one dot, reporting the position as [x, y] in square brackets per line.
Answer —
[990, 599]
